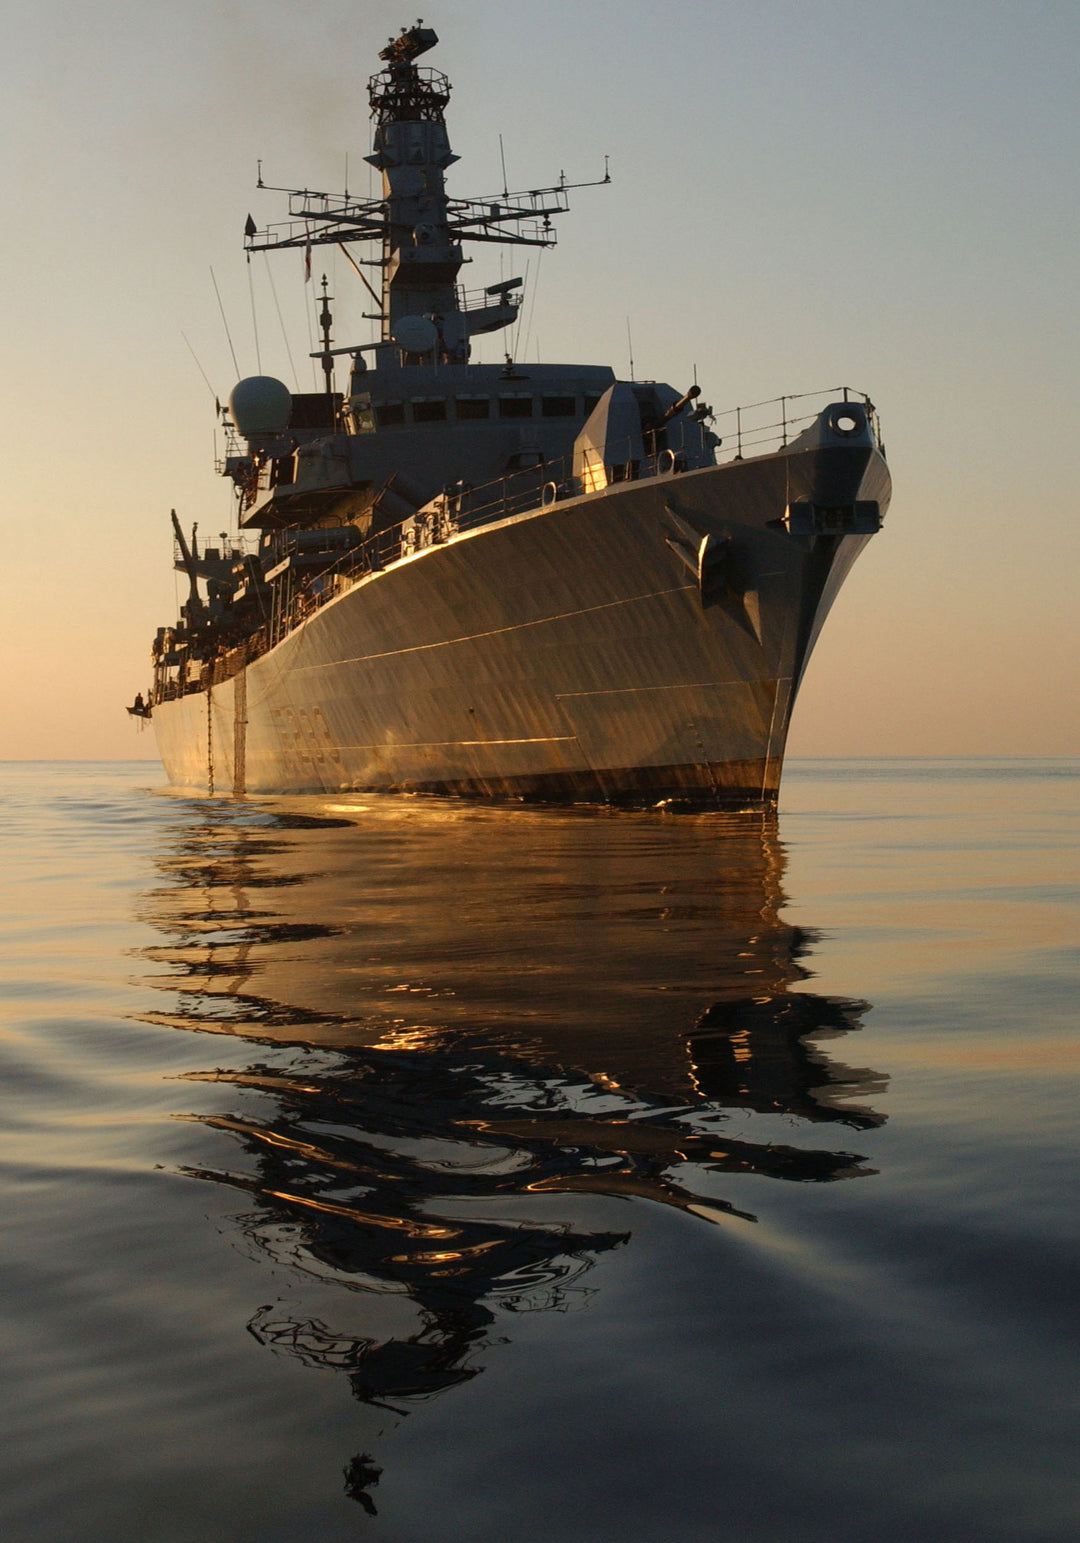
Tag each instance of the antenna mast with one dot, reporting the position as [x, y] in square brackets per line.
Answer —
[419, 229]
[326, 322]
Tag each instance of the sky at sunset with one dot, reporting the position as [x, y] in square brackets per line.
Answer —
[803, 195]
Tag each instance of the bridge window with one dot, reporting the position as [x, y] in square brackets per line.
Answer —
[389, 413]
[516, 404]
[558, 406]
[473, 407]
[429, 409]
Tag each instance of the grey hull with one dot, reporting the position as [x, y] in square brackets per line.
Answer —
[644, 642]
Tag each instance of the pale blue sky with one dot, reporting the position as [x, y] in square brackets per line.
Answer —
[803, 194]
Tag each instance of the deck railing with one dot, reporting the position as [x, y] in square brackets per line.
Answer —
[757, 429]
[760, 427]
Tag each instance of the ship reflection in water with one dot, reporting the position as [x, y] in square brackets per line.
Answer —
[458, 1009]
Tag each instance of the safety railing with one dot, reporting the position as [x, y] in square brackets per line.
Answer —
[759, 428]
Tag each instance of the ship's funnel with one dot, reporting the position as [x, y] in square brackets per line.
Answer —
[260, 407]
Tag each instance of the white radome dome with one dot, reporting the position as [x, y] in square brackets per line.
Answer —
[260, 405]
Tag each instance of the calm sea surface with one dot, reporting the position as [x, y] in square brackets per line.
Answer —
[411, 1171]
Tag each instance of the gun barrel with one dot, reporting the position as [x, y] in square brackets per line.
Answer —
[684, 401]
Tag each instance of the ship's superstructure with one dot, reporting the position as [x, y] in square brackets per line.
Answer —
[517, 579]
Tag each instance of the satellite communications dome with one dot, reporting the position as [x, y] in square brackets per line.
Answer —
[260, 405]
[415, 334]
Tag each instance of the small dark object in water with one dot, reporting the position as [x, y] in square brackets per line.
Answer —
[361, 1473]
[309, 822]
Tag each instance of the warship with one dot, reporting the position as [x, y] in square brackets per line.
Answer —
[517, 580]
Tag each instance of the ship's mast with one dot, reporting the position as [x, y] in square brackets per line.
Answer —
[326, 321]
[412, 150]
[418, 228]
